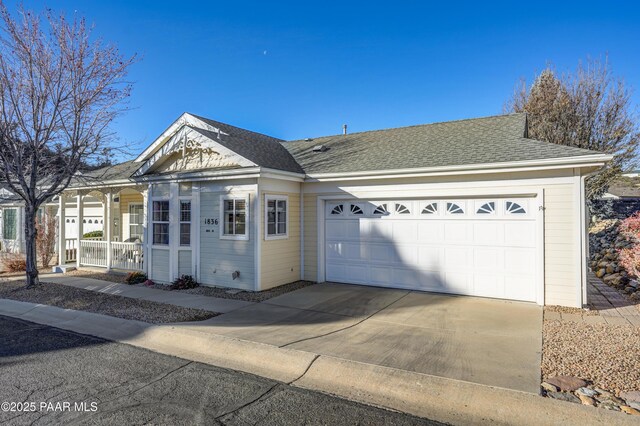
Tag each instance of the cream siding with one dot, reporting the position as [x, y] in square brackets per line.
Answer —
[184, 262]
[310, 237]
[160, 266]
[219, 258]
[280, 259]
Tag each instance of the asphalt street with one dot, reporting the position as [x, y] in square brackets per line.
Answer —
[52, 376]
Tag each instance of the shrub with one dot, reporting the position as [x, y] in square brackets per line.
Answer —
[135, 278]
[15, 263]
[184, 282]
[92, 234]
[630, 227]
[149, 283]
[629, 259]
[46, 238]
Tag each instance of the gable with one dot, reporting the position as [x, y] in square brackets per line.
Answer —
[189, 149]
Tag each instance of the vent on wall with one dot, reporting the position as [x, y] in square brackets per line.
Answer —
[320, 148]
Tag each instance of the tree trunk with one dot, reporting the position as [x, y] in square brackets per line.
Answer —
[30, 246]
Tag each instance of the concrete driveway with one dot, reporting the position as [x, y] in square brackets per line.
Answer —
[491, 342]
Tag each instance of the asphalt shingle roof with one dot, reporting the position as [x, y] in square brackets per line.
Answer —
[265, 151]
[474, 141]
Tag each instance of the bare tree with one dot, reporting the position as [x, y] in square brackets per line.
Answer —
[60, 89]
[587, 109]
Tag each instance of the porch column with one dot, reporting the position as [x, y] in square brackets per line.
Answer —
[80, 218]
[107, 228]
[62, 242]
[145, 230]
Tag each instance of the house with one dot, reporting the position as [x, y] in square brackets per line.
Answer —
[470, 207]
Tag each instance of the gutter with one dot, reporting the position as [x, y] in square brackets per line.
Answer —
[596, 160]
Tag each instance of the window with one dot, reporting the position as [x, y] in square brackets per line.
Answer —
[276, 217]
[381, 209]
[514, 208]
[355, 209]
[487, 208]
[402, 209]
[9, 225]
[135, 221]
[234, 218]
[185, 223]
[161, 222]
[431, 208]
[453, 208]
[337, 209]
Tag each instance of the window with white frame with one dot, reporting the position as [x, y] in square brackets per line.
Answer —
[276, 216]
[234, 218]
[135, 221]
[161, 222]
[185, 223]
[10, 225]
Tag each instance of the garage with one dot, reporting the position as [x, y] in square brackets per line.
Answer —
[486, 247]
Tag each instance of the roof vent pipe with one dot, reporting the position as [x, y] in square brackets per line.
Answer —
[344, 129]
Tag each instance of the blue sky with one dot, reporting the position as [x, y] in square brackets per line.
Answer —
[302, 69]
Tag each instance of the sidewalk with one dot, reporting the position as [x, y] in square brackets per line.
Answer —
[446, 400]
[613, 307]
[211, 304]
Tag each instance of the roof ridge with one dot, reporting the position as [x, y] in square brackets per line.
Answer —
[415, 125]
[236, 127]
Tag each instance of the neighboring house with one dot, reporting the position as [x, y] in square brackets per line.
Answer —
[468, 207]
[12, 235]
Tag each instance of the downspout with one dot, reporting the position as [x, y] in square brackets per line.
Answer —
[301, 231]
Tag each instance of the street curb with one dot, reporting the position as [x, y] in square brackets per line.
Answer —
[437, 398]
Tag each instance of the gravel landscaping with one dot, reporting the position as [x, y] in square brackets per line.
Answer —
[221, 292]
[247, 296]
[86, 300]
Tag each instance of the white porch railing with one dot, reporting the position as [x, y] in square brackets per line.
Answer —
[126, 256]
[93, 253]
[71, 250]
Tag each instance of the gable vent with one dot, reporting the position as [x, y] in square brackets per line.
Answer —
[320, 148]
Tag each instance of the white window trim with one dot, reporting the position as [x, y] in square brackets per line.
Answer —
[247, 219]
[181, 200]
[272, 197]
[157, 245]
[142, 218]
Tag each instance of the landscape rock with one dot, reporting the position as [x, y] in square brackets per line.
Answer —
[630, 410]
[549, 387]
[608, 405]
[567, 383]
[633, 396]
[587, 400]
[564, 396]
[586, 392]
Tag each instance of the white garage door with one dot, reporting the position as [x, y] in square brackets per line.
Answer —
[479, 247]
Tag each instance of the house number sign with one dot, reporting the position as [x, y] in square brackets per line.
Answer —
[210, 221]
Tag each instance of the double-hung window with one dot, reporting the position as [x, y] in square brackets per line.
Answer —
[185, 223]
[276, 217]
[136, 225]
[161, 222]
[234, 218]
[10, 224]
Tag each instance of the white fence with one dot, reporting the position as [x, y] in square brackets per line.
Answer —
[123, 255]
[93, 253]
[126, 256]
[71, 250]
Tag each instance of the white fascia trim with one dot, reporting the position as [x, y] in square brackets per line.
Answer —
[240, 173]
[281, 174]
[185, 119]
[597, 160]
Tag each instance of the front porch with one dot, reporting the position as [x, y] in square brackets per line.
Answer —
[121, 243]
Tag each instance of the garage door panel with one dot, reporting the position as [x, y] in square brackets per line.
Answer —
[520, 234]
[431, 231]
[457, 232]
[492, 254]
